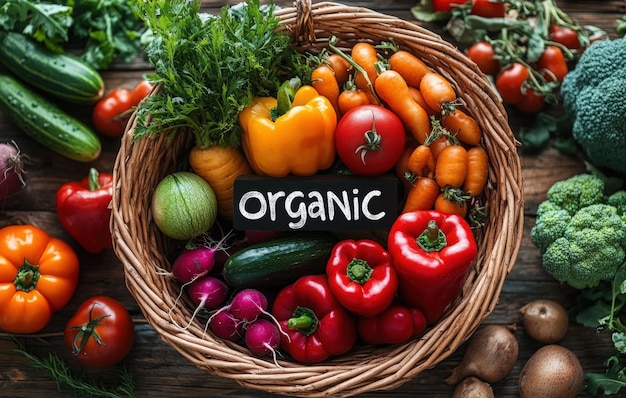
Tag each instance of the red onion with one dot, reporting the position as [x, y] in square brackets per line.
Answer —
[12, 169]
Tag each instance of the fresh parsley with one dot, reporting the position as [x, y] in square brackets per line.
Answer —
[209, 66]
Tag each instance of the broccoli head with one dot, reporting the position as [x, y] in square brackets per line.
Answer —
[593, 97]
[576, 192]
[591, 248]
[618, 200]
[549, 226]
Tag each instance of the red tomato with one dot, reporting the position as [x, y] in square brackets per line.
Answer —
[488, 8]
[141, 90]
[483, 55]
[531, 103]
[553, 60]
[446, 5]
[369, 139]
[509, 83]
[101, 332]
[108, 115]
[565, 36]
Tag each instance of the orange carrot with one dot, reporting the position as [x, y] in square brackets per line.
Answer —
[451, 166]
[324, 81]
[409, 66]
[219, 166]
[416, 94]
[365, 55]
[422, 195]
[438, 145]
[477, 171]
[393, 90]
[340, 66]
[421, 161]
[401, 164]
[463, 126]
[450, 202]
[437, 91]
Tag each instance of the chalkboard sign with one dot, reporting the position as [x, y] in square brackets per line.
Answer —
[316, 203]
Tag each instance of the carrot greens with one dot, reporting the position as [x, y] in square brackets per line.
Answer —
[209, 66]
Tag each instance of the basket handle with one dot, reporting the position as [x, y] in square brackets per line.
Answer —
[304, 30]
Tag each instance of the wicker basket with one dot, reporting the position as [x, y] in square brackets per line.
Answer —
[143, 250]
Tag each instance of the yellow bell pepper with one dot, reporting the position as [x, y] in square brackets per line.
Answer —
[291, 134]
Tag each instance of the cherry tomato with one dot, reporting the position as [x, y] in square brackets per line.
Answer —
[101, 332]
[369, 139]
[483, 55]
[446, 5]
[352, 98]
[488, 8]
[565, 36]
[531, 103]
[509, 83]
[552, 59]
[141, 90]
[109, 116]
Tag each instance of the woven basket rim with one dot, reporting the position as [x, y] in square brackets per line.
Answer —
[142, 249]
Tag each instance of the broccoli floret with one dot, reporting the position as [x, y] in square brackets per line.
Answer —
[549, 226]
[618, 200]
[591, 248]
[593, 97]
[576, 192]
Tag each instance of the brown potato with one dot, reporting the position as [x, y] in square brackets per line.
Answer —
[545, 321]
[552, 371]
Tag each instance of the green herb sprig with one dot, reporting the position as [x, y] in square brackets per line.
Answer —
[209, 67]
[63, 375]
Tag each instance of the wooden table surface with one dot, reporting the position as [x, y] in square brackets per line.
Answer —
[159, 371]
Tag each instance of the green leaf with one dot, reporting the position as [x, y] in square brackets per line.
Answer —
[611, 382]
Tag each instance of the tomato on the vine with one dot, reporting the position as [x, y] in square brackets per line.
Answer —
[553, 60]
[101, 332]
[483, 55]
[109, 115]
[141, 90]
[565, 36]
[446, 5]
[369, 139]
[509, 83]
[488, 8]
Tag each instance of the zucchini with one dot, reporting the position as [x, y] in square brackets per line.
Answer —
[47, 124]
[63, 75]
[278, 262]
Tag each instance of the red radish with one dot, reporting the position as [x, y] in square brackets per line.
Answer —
[12, 169]
[208, 292]
[262, 338]
[248, 305]
[226, 326]
[197, 261]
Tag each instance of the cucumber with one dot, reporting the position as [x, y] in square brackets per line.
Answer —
[46, 123]
[278, 262]
[63, 75]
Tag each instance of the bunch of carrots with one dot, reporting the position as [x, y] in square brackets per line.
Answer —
[444, 166]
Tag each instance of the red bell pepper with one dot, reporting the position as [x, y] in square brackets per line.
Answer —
[433, 253]
[83, 210]
[316, 326]
[361, 276]
[397, 324]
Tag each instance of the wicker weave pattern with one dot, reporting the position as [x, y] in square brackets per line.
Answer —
[144, 251]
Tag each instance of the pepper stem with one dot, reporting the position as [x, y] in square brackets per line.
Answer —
[432, 239]
[284, 98]
[94, 184]
[303, 320]
[359, 270]
[27, 277]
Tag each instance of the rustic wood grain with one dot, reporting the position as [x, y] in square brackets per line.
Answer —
[161, 372]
